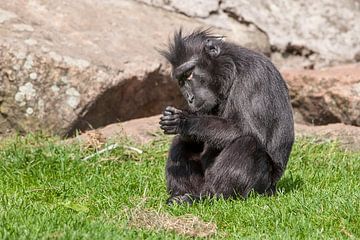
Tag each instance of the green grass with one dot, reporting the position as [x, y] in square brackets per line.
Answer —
[47, 192]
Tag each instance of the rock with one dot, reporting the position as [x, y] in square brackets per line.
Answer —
[62, 72]
[330, 95]
[196, 8]
[327, 29]
[73, 65]
[5, 127]
[301, 35]
[6, 16]
[144, 130]
[210, 13]
[347, 136]
[248, 35]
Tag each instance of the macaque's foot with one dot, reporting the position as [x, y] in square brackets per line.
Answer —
[182, 199]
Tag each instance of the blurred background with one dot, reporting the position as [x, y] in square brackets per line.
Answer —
[68, 66]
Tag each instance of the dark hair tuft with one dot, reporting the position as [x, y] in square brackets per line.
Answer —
[183, 47]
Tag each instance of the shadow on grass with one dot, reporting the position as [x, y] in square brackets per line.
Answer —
[290, 184]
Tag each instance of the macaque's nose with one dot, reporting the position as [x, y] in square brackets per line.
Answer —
[191, 98]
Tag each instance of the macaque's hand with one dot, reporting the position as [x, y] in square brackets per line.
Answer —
[171, 120]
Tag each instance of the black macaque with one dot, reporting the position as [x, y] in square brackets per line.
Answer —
[238, 132]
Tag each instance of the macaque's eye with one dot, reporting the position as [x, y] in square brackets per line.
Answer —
[188, 75]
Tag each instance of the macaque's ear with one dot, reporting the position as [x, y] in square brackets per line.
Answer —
[212, 47]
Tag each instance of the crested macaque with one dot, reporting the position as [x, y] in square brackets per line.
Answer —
[237, 133]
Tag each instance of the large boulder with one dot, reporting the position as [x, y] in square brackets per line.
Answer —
[210, 12]
[74, 65]
[302, 34]
[329, 95]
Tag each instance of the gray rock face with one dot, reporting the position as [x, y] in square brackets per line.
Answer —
[74, 65]
[209, 12]
[329, 28]
[302, 34]
[195, 8]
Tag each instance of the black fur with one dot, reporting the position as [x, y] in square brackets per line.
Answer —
[238, 132]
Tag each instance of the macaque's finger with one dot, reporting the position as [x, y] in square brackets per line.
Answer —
[169, 108]
[172, 109]
[167, 128]
[171, 117]
[167, 113]
[169, 122]
[171, 131]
